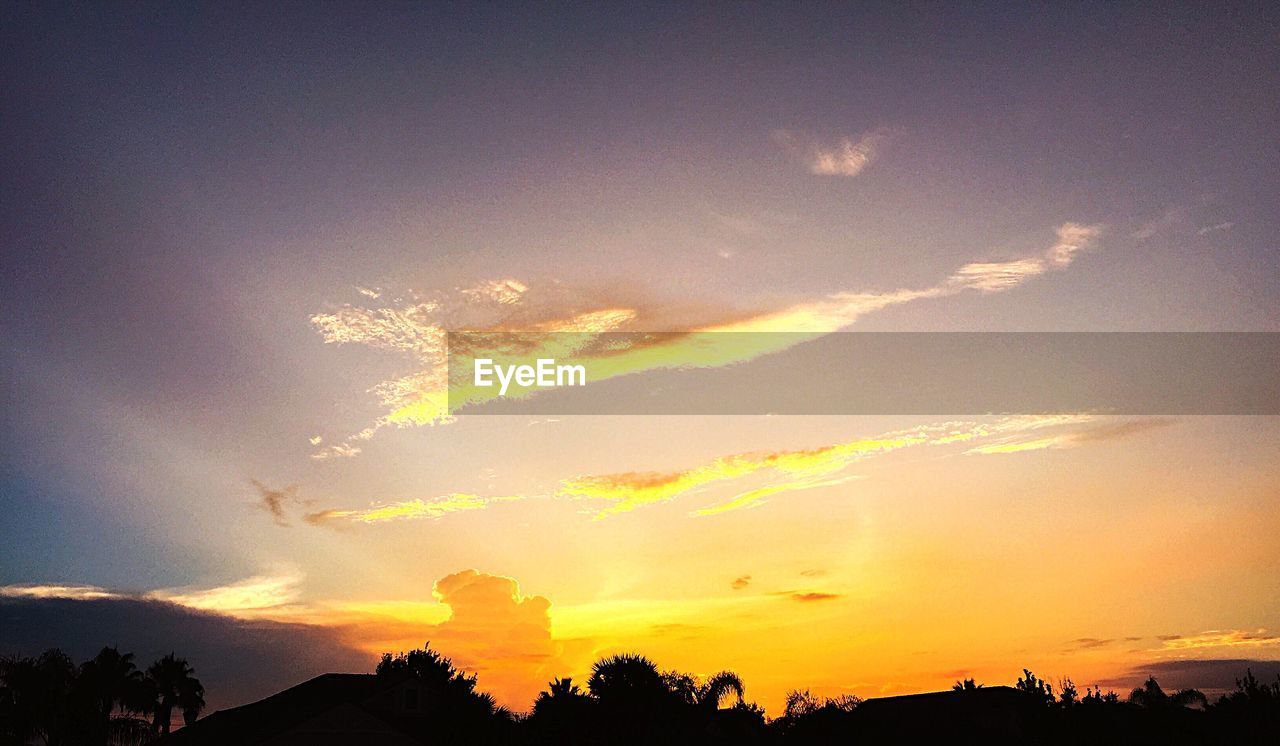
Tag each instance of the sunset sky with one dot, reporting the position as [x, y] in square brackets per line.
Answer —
[234, 237]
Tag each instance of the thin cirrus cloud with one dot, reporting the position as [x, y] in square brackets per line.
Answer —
[1072, 439]
[418, 508]
[1221, 638]
[847, 156]
[416, 326]
[748, 480]
[990, 277]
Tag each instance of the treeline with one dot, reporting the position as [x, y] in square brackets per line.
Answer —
[627, 699]
[104, 700]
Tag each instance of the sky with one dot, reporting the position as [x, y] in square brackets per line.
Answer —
[234, 237]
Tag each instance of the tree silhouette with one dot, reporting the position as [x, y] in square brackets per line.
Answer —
[1068, 695]
[175, 686]
[49, 699]
[719, 686]
[111, 679]
[1039, 690]
[968, 685]
[627, 679]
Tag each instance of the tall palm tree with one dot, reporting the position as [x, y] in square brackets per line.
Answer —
[190, 699]
[175, 686]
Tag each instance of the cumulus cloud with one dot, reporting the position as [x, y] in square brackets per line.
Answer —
[484, 622]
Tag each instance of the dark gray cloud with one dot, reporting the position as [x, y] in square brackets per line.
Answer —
[238, 661]
[277, 502]
[1090, 642]
[1213, 676]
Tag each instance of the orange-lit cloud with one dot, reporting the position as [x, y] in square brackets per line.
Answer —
[73, 592]
[1220, 638]
[747, 480]
[497, 632]
[1091, 434]
[417, 508]
[268, 595]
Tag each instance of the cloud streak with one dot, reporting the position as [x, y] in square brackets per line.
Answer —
[748, 480]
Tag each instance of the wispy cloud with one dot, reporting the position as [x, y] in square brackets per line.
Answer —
[261, 595]
[417, 508]
[1216, 227]
[1170, 217]
[1221, 638]
[416, 327]
[748, 480]
[810, 596]
[504, 292]
[847, 156]
[277, 502]
[73, 592]
[1089, 643]
[1091, 434]
[990, 277]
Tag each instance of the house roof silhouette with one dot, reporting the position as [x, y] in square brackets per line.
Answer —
[333, 708]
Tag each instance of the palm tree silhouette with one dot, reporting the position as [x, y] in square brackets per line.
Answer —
[626, 678]
[559, 690]
[1151, 696]
[968, 685]
[175, 686]
[717, 688]
[112, 679]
